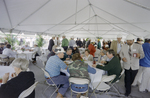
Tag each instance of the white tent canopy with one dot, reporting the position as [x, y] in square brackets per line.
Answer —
[78, 18]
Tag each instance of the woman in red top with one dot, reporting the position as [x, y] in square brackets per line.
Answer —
[92, 49]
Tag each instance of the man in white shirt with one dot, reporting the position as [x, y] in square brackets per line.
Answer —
[57, 41]
[72, 42]
[8, 52]
[26, 47]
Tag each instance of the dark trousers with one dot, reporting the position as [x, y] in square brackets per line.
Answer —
[34, 59]
[129, 78]
[65, 48]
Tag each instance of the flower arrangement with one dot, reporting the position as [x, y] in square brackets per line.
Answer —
[23, 49]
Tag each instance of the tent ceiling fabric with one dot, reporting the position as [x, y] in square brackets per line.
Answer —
[79, 18]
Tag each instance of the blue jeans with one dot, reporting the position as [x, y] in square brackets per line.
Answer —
[79, 87]
[60, 79]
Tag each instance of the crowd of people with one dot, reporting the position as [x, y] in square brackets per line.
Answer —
[134, 55]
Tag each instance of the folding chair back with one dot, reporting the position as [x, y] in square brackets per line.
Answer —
[79, 81]
[47, 75]
[28, 91]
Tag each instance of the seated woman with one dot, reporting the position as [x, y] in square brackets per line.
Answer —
[102, 58]
[75, 49]
[79, 69]
[21, 80]
[87, 56]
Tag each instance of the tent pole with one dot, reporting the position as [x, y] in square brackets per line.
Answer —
[32, 13]
[78, 24]
[119, 18]
[8, 13]
[65, 19]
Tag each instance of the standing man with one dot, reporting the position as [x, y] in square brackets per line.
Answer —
[139, 41]
[57, 41]
[65, 42]
[80, 43]
[117, 45]
[130, 54]
[84, 42]
[99, 44]
[51, 43]
[72, 43]
[88, 43]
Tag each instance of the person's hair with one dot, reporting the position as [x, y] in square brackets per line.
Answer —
[111, 51]
[76, 56]
[8, 46]
[54, 47]
[5, 43]
[147, 40]
[87, 50]
[104, 51]
[20, 63]
[69, 49]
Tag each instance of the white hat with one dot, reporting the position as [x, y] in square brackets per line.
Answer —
[57, 36]
[130, 37]
[119, 36]
[95, 45]
[75, 45]
[53, 35]
[106, 46]
[59, 50]
[92, 41]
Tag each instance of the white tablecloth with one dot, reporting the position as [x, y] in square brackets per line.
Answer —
[29, 54]
[6, 69]
[95, 78]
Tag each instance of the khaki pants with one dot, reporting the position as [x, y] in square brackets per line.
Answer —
[11, 59]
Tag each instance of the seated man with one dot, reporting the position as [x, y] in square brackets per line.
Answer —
[113, 66]
[26, 47]
[53, 67]
[67, 55]
[8, 52]
[37, 50]
[52, 53]
[102, 56]
[79, 69]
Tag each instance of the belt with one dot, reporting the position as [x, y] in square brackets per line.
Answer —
[79, 87]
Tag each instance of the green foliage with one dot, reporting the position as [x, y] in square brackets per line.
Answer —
[99, 37]
[40, 41]
[87, 39]
[11, 40]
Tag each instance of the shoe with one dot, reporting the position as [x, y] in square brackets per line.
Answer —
[59, 95]
[126, 94]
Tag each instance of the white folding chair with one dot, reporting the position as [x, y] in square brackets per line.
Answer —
[79, 81]
[47, 75]
[113, 85]
[4, 59]
[28, 91]
[105, 88]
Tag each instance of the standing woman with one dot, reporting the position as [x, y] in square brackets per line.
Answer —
[21, 80]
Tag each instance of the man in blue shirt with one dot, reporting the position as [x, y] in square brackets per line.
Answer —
[53, 67]
[144, 69]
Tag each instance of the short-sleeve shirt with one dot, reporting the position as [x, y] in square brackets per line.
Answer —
[54, 65]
